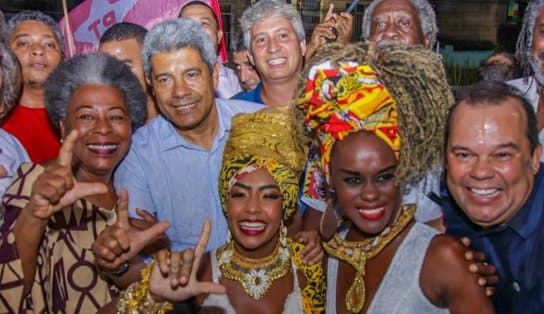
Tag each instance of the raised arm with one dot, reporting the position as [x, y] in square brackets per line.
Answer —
[447, 282]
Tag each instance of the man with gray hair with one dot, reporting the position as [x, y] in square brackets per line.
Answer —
[38, 44]
[173, 165]
[410, 21]
[530, 55]
[275, 39]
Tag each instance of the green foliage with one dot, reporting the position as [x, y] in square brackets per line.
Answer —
[461, 75]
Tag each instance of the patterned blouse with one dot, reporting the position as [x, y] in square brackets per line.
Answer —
[66, 280]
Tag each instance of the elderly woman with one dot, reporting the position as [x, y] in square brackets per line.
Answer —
[55, 211]
[260, 266]
[12, 153]
[378, 116]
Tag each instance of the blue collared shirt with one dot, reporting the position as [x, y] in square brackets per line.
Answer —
[253, 95]
[178, 181]
[515, 248]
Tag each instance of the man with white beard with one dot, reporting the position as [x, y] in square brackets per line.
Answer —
[530, 55]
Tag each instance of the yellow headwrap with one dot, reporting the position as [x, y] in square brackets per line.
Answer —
[348, 98]
[264, 139]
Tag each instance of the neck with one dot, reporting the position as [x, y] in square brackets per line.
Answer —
[204, 134]
[278, 94]
[262, 252]
[33, 97]
[107, 200]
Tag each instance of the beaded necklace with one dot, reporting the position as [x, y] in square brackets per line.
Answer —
[255, 275]
[356, 253]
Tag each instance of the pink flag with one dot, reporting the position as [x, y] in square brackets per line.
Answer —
[90, 19]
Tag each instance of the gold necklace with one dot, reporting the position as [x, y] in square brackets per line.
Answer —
[356, 253]
[255, 275]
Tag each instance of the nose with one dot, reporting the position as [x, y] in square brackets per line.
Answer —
[253, 204]
[369, 192]
[482, 169]
[244, 74]
[37, 49]
[102, 126]
[390, 32]
[181, 88]
[273, 45]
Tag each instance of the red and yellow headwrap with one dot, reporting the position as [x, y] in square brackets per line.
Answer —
[344, 99]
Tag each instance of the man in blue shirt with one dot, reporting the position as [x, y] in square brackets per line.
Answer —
[495, 190]
[172, 168]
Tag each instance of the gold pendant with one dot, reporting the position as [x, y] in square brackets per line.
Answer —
[356, 295]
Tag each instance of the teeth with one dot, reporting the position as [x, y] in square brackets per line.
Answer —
[102, 147]
[277, 61]
[372, 211]
[485, 192]
[184, 107]
[252, 225]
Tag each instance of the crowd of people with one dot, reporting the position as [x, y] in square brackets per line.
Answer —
[321, 174]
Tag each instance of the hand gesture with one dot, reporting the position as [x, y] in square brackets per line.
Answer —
[181, 282]
[487, 274]
[120, 242]
[323, 32]
[57, 188]
[312, 253]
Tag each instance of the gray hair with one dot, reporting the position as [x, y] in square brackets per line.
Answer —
[524, 45]
[38, 16]
[266, 9]
[427, 18]
[9, 70]
[95, 68]
[175, 34]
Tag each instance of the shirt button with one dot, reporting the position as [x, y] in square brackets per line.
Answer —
[516, 286]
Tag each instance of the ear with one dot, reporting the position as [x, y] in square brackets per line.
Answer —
[303, 47]
[427, 41]
[250, 58]
[62, 128]
[215, 75]
[149, 85]
[536, 158]
[219, 37]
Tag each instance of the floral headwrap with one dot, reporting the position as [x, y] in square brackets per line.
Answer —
[264, 139]
[347, 98]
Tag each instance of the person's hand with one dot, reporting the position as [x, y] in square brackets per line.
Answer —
[146, 221]
[120, 242]
[323, 32]
[57, 187]
[312, 253]
[181, 282]
[487, 274]
[344, 27]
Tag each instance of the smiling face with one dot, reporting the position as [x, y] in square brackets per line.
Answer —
[184, 87]
[101, 117]
[38, 50]
[254, 213]
[490, 167]
[276, 51]
[398, 21]
[245, 71]
[363, 176]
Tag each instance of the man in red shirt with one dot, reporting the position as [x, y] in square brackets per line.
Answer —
[38, 44]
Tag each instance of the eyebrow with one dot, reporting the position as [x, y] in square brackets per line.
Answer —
[261, 188]
[502, 145]
[94, 109]
[355, 173]
[29, 35]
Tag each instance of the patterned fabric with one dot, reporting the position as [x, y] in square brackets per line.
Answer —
[66, 279]
[345, 99]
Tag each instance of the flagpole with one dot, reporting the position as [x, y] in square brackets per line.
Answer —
[68, 29]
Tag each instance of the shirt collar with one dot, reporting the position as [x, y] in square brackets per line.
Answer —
[169, 138]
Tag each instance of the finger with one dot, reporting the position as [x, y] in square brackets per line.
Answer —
[465, 241]
[187, 259]
[329, 12]
[150, 235]
[82, 190]
[67, 149]
[163, 259]
[490, 291]
[122, 209]
[175, 260]
[201, 245]
[482, 269]
[145, 215]
[210, 287]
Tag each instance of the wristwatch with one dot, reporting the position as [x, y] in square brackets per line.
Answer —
[118, 272]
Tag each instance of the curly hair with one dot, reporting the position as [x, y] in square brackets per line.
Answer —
[10, 86]
[95, 68]
[416, 79]
[38, 16]
[524, 46]
[175, 34]
[427, 18]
